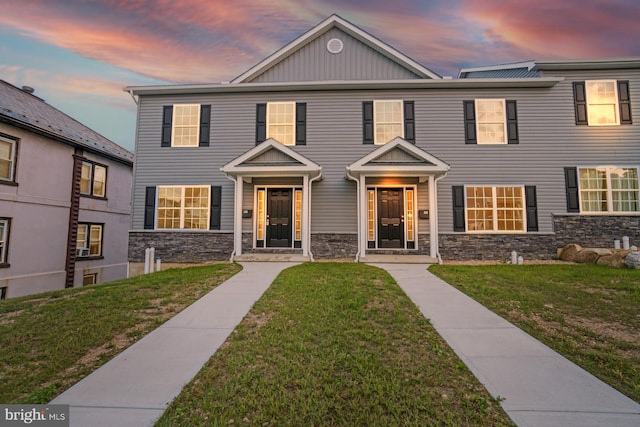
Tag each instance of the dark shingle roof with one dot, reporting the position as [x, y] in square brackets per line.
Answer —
[16, 105]
[509, 73]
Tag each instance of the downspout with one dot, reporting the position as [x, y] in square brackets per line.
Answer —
[234, 179]
[351, 177]
[435, 189]
[315, 178]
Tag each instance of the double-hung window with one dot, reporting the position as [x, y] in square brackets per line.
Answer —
[183, 207]
[388, 121]
[186, 125]
[602, 102]
[491, 121]
[496, 209]
[89, 240]
[609, 189]
[281, 122]
[4, 239]
[93, 181]
[7, 159]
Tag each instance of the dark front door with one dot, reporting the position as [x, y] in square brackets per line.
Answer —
[279, 218]
[390, 218]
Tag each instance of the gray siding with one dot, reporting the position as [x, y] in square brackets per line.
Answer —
[549, 140]
[313, 62]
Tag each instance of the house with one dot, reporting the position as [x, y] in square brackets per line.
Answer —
[340, 146]
[64, 199]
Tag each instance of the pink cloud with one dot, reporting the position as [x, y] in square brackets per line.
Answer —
[553, 29]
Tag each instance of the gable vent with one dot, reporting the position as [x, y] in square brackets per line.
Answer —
[335, 46]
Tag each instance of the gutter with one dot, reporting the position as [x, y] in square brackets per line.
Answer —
[315, 178]
[435, 187]
[233, 253]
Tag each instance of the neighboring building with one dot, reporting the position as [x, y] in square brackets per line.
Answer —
[64, 199]
[339, 146]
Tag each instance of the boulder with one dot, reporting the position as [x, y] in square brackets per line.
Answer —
[632, 260]
[616, 259]
[591, 255]
[568, 253]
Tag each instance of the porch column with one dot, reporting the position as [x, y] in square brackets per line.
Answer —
[306, 220]
[433, 218]
[362, 216]
[237, 220]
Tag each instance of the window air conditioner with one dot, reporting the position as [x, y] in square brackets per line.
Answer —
[82, 251]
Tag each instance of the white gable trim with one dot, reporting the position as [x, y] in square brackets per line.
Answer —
[321, 28]
[364, 165]
[239, 167]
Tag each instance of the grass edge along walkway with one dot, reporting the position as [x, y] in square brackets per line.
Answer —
[334, 344]
[590, 314]
[52, 340]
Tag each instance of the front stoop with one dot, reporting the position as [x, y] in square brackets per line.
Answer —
[272, 257]
[399, 259]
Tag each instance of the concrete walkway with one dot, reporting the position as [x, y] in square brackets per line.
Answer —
[540, 387]
[136, 386]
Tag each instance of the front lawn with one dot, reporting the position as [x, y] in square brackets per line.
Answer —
[51, 341]
[334, 344]
[588, 313]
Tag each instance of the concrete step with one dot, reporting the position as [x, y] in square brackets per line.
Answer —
[399, 259]
[271, 258]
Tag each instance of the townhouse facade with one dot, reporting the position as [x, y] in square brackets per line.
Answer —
[340, 146]
[64, 199]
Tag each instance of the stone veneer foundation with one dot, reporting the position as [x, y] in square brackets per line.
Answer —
[587, 231]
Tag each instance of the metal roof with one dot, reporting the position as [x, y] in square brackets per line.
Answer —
[23, 109]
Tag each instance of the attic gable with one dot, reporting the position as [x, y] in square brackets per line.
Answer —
[354, 55]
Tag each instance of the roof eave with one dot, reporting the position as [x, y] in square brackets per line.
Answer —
[532, 82]
[59, 138]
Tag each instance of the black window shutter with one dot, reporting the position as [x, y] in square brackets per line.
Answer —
[205, 119]
[532, 207]
[512, 122]
[261, 123]
[409, 122]
[580, 98]
[458, 208]
[167, 118]
[301, 123]
[571, 183]
[149, 208]
[367, 122]
[470, 123]
[625, 102]
[216, 207]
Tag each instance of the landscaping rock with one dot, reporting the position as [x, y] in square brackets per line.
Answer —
[632, 260]
[568, 253]
[616, 259]
[590, 255]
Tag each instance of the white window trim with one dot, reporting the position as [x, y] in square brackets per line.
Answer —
[375, 123]
[495, 210]
[504, 121]
[616, 108]
[416, 221]
[293, 124]
[174, 126]
[4, 243]
[182, 208]
[12, 159]
[610, 211]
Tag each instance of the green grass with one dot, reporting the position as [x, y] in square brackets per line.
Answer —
[50, 341]
[588, 313]
[334, 344]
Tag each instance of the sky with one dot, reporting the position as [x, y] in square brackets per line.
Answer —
[80, 54]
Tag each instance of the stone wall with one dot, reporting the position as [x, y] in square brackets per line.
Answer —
[193, 247]
[334, 246]
[471, 247]
[595, 231]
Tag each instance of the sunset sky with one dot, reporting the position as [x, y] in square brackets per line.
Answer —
[79, 54]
